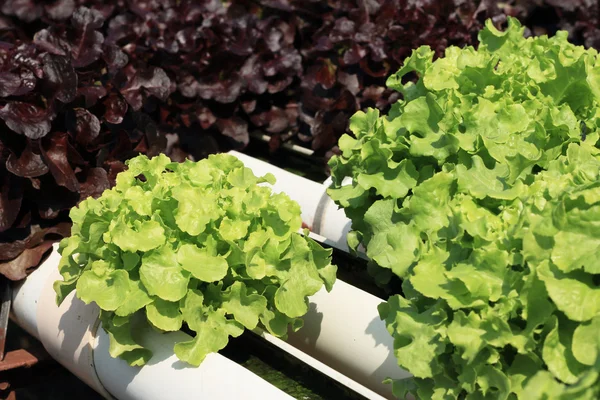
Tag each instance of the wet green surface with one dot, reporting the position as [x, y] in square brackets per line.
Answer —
[279, 379]
[284, 371]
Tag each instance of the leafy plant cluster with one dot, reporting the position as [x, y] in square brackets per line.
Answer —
[480, 189]
[73, 107]
[200, 243]
[85, 88]
[283, 66]
[85, 85]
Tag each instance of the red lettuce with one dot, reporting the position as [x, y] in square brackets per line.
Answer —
[65, 128]
[86, 84]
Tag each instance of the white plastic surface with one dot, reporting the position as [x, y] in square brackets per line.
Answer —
[342, 329]
[71, 335]
[332, 222]
[27, 293]
[67, 332]
[164, 377]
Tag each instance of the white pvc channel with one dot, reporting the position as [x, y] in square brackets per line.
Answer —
[342, 337]
[71, 335]
[342, 328]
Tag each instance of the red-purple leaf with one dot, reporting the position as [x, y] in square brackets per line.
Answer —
[280, 84]
[278, 4]
[349, 81]
[96, 182]
[288, 60]
[26, 119]
[377, 47]
[354, 54]
[155, 140]
[53, 199]
[26, 10]
[324, 132]
[88, 50]
[51, 43]
[85, 19]
[235, 128]
[86, 126]
[9, 83]
[205, 117]
[251, 74]
[91, 94]
[323, 72]
[119, 27]
[154, 81]
[62, 77]
[29, 163]
[372, 93]
[275, 142]
[345, 102]
[374, 69]
[186, 38]
[188, 86]
[28, 82]
[26, 57]
[23, 220]
[275, 120]
[60, 9]
[87, 46]
[249, 105]
[226, 91]
[18, 268]
[116, 108]
[122, 149]
[11, 196]
[114, 168]
[74, 156]
[55, 154]
[30, 237]
[114, 57]
[343, 29]
[323, 43]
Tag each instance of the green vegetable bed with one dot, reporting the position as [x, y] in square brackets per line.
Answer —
[480, 189]
[196, 243]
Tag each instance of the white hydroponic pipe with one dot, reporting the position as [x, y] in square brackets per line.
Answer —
[342, 328]
[71, 335]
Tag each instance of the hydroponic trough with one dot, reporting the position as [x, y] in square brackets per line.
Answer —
[71, 334]
[342, 328]
[342, 337]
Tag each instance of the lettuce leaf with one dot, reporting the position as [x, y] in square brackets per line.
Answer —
[481, 190]
[195, 243]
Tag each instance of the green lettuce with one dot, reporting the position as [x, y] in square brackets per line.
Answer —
[202, 243]
[481, 190]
